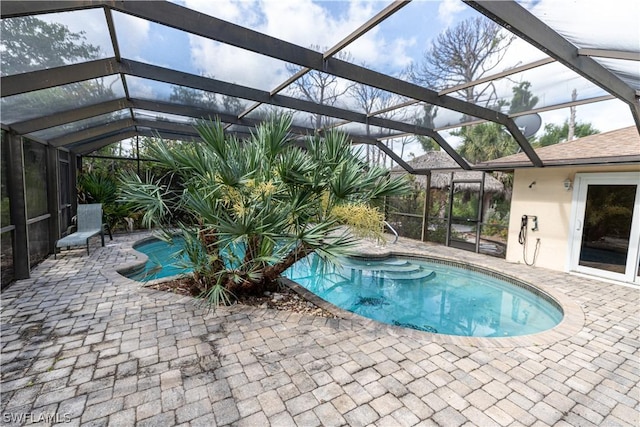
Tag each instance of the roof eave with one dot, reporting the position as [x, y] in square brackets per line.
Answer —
[591, 161]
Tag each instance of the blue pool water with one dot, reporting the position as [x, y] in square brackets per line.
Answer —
[163, 260]
[407, 292]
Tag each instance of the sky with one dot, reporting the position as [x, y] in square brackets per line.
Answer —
[391, 47]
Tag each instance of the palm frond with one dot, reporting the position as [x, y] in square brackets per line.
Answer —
[213, 136]
[295, 168]
[346, 182]
[390, 186]
[218, 295]
[273, 135]
[152, 198]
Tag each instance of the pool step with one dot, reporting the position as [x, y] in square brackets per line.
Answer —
[422, 274]
[395, 262]
[398, 266]
[391, 269]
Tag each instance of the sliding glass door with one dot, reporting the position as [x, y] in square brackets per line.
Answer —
[606, 227]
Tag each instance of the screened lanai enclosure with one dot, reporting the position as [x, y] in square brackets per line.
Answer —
[401, 78]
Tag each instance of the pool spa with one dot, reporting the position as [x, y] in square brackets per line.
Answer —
[430, 295]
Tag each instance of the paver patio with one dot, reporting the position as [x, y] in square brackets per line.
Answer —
[84, 345]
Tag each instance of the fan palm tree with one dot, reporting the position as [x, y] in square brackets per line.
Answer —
[250, 209]
[485, 141]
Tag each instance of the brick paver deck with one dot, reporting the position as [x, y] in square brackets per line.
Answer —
[83, 345]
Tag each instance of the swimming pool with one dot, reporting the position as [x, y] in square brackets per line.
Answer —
[428, 295]
[162, 262]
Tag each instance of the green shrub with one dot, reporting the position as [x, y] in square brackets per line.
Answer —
[496, 225]
[100, 187]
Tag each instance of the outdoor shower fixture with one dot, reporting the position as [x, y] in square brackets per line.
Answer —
[522, 237]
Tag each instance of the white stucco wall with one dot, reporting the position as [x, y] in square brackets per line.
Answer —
[551, 203]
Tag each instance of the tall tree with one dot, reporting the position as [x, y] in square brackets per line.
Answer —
[572, 116]
[426, 120]
[29, 43]
[485, 141]
[193, 97]
[488, 141]
[406, 140]
[523, 99]
[369, 99]
[462, 54]
[554, 134]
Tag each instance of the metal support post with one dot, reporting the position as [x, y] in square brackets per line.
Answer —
[426, 209]
[53, 191]
[15, 175]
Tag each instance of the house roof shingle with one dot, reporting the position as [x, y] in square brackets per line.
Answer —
[617, 146]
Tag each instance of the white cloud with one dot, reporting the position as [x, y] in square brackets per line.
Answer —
[604, 116]
[448, 9]
[520, 53]
[238, 12]
[287, 20]
[235, 65]
[133, 33]
[385, 54]
[303, 22]
[399, 51]
[140, 89]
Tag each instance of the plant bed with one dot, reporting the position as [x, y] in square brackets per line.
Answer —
[283, 299]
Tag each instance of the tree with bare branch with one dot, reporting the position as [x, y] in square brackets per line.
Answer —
[370, 100]
[367, 100]
[319, 87]
[462, 54]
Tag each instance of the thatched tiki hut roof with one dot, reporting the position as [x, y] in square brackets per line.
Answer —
[441, 176]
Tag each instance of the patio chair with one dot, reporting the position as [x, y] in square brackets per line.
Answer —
[89, 221]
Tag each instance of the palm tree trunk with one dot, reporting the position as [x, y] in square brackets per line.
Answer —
[253, 244]
[272, 272]
[210, 242]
